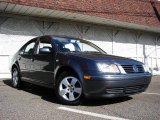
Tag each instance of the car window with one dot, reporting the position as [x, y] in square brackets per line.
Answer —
[75, 45]
[29, 49]
[44, 46]
[86, 48]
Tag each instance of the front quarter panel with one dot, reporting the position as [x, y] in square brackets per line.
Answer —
[79, 65]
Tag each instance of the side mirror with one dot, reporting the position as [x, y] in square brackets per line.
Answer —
[21, 53]
[45, 50]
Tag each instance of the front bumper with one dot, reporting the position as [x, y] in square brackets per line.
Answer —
[110, 86]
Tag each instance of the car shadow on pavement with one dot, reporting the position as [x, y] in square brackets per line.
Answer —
[105, 101]
[48, 95]
[45, 93]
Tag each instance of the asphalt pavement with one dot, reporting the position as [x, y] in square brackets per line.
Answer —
[38, 103]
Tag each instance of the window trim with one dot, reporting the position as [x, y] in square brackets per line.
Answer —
[38, 42]
[22, 50]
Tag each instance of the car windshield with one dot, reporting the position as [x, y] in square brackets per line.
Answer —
[75, 45]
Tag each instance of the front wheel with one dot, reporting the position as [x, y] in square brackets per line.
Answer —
[68, 89]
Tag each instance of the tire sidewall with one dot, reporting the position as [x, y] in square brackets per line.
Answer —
[19, 81]
[61, 99]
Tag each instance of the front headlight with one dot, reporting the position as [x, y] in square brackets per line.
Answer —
[146, 69]
[109, 68]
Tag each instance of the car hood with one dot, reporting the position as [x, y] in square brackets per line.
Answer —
[105, 58]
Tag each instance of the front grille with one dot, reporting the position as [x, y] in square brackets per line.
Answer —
[115, 90]
[126, 90]
[133, 68]
[134, 89]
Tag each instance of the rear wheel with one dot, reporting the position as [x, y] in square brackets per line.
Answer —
[68, 89]
[16, 81]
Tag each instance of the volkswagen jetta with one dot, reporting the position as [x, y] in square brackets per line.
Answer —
[77, 68]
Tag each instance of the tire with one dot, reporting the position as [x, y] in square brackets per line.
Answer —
[68, 89]
[16, 80]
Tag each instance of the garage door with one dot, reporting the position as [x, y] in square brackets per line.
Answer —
[15, 32]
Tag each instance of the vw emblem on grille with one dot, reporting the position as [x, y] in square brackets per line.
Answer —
[135, 68]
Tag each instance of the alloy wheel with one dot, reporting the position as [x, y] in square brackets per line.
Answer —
[70, 88]
[15, 77]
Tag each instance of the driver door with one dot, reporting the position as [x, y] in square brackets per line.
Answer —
[43, 61]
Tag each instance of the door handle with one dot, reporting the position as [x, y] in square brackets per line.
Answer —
[57, 60]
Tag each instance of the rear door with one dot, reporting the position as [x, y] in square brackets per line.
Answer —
[26, 60]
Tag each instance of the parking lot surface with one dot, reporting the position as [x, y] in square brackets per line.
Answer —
[38, 103]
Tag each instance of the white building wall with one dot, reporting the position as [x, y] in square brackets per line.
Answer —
[146, 46]
[125, 44]
[15, 32]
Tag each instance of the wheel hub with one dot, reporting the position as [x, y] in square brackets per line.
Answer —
[70, 88]
[15, 77]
